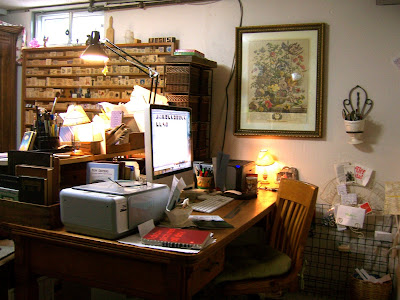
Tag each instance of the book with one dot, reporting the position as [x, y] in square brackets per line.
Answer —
[9, 181]
[43, 172]
[9, 194]
[28, 141]
[188, 52]
[33, 190]
[177, 238]
[16, 157]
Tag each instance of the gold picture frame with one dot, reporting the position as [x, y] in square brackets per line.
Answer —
[279, 80]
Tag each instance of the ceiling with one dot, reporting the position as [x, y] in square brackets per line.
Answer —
[26, 4]
[92, 5]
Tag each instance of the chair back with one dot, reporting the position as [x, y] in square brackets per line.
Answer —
[295, 206]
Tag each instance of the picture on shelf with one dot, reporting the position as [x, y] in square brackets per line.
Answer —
[28, 141]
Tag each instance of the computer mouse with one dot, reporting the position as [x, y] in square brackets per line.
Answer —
[238, 193]
[233, 193]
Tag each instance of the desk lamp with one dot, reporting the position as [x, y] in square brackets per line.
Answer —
[264, 160]
[95, 52]
[75, 115]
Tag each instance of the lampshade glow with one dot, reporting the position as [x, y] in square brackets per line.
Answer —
[264, 158]
[95, 51]
[75, 115]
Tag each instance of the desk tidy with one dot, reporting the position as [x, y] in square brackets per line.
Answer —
[354, 116]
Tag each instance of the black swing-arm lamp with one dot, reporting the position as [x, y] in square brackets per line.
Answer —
[95, 52]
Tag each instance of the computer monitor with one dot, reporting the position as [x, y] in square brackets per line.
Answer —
[168, 144]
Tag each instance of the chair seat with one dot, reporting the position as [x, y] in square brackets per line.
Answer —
[252, 262]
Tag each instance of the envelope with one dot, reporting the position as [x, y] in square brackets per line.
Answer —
[350, 216]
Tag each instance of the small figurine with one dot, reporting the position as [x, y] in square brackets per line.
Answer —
[87, 95]
[45, 39]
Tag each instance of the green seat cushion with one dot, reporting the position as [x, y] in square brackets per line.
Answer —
[253, 262]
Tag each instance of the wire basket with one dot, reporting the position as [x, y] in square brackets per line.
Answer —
[361, 289]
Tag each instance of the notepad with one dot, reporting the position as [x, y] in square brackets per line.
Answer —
[177, 238]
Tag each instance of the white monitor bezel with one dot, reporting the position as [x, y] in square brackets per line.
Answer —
[187, 173]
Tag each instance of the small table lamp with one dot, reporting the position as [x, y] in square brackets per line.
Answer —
[264, 160]
[75, 115]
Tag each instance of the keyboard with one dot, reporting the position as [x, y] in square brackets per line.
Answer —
[210, 203]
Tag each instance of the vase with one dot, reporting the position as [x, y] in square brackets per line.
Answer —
[355, 130]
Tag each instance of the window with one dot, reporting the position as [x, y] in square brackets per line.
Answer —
[65, 28]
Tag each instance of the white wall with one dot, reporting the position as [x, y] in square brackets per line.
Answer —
[362, 39]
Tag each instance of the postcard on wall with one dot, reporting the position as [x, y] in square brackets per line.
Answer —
[352, 173]
[392, 198]
[350, 216]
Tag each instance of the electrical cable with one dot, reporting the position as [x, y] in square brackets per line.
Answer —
[230, 80]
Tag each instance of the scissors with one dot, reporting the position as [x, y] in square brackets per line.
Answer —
[358, 113]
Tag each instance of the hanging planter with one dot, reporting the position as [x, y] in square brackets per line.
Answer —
[355, 130]
[354, 116]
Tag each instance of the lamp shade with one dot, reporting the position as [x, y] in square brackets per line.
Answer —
[264, 158]
[95, 51]
[75, 115]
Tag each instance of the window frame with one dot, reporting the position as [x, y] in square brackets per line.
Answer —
[70, 12]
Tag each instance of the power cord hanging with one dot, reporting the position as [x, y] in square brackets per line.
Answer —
[230, 80]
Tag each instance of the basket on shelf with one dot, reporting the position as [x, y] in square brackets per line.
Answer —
[362, 289]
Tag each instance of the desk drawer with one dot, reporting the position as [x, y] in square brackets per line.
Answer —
[206, 270]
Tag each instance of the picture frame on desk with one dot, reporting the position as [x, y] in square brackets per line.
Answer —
[28, 140]
[279, 82]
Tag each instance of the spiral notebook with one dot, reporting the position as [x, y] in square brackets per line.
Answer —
[177, 238]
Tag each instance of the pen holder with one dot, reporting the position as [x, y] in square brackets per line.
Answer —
[204, 182]
[178, 216]
[48, 142]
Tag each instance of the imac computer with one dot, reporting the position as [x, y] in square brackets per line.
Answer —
[168, 144]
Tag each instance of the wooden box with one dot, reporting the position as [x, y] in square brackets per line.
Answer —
[136, 140]
[118, 148]
[90, 147]
[28, 214]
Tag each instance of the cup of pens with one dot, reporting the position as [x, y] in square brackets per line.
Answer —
[204, 178]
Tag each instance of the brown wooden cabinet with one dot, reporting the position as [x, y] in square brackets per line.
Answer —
[189, 83]
[8, 87]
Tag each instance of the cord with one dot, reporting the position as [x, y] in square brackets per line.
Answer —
[230, 80]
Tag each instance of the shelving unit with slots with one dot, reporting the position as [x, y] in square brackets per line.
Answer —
[49, 70]
[189, 83]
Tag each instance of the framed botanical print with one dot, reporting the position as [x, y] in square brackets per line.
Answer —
[279, 80]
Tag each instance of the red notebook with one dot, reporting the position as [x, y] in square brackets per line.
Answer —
[177, 238]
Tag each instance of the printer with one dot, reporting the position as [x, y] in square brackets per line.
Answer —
[111, 209]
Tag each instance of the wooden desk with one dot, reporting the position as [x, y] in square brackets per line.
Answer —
[127, 269]
[6, 271]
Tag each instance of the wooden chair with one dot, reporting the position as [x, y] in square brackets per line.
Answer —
[273, 268]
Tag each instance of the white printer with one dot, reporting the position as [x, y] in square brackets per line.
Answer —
[111, 209]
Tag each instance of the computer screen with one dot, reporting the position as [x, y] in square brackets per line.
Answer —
[168, 144]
